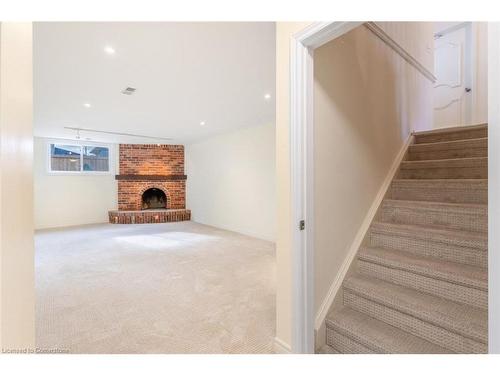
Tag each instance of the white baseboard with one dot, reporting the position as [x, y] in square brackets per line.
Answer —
[259, 236]
[360, 235]
[281, 347]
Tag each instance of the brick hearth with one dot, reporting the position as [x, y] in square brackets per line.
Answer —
[143, 167]
[148, 216]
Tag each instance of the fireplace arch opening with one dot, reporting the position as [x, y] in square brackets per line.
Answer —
[154, 198]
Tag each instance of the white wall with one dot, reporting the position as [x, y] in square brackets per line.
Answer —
[367, 101]
[17, 286]
[65, 200]
[231, 181]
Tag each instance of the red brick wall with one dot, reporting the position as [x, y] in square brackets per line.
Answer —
[151, 160]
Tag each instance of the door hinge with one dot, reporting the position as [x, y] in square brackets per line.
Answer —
[302, 225]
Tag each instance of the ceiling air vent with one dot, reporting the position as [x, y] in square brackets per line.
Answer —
[128, 91]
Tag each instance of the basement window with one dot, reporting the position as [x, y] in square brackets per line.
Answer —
[71, 158]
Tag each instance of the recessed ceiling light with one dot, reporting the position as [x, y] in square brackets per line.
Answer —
[87, 105]
[202, 123]
[267, 96]
[109, 50]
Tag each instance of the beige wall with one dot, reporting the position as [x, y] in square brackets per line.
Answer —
[417, 38]
[63, 200]
[17, 302]
[414, 92]
[367, 100]
[232, 181]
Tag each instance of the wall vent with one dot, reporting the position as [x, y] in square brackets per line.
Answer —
[128, 91]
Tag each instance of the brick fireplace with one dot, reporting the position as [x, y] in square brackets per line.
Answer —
[151, 184]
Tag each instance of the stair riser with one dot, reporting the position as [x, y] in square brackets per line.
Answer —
[444, 173]
[415, 192]
[449, 290]
[447, 154]
[410, 324]
[344, 344]
[481, 132]
[425, 247]
[453, 220]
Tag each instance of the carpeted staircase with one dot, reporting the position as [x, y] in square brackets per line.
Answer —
[420, 285]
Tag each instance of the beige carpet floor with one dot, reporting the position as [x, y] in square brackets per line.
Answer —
[154, 288]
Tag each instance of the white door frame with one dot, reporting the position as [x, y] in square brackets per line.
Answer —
[302, 49]
[493, 187]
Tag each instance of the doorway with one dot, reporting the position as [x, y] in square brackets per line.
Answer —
[453, 69]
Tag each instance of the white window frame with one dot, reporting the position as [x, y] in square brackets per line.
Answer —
[111, 159]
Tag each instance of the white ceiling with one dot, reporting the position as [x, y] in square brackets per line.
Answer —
[184, 73]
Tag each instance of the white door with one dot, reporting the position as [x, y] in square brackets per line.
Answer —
[451, 93]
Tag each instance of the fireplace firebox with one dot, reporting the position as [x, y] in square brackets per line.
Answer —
[154, 198]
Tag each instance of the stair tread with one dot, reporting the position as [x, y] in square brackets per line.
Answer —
[451, 129]
[462, 319]
[440, 190]
[449, 145]
[467, 275]
[470, 208]
[445, 163]
[452, 215]
[444, 181]
[477, 240]
[377, 335]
